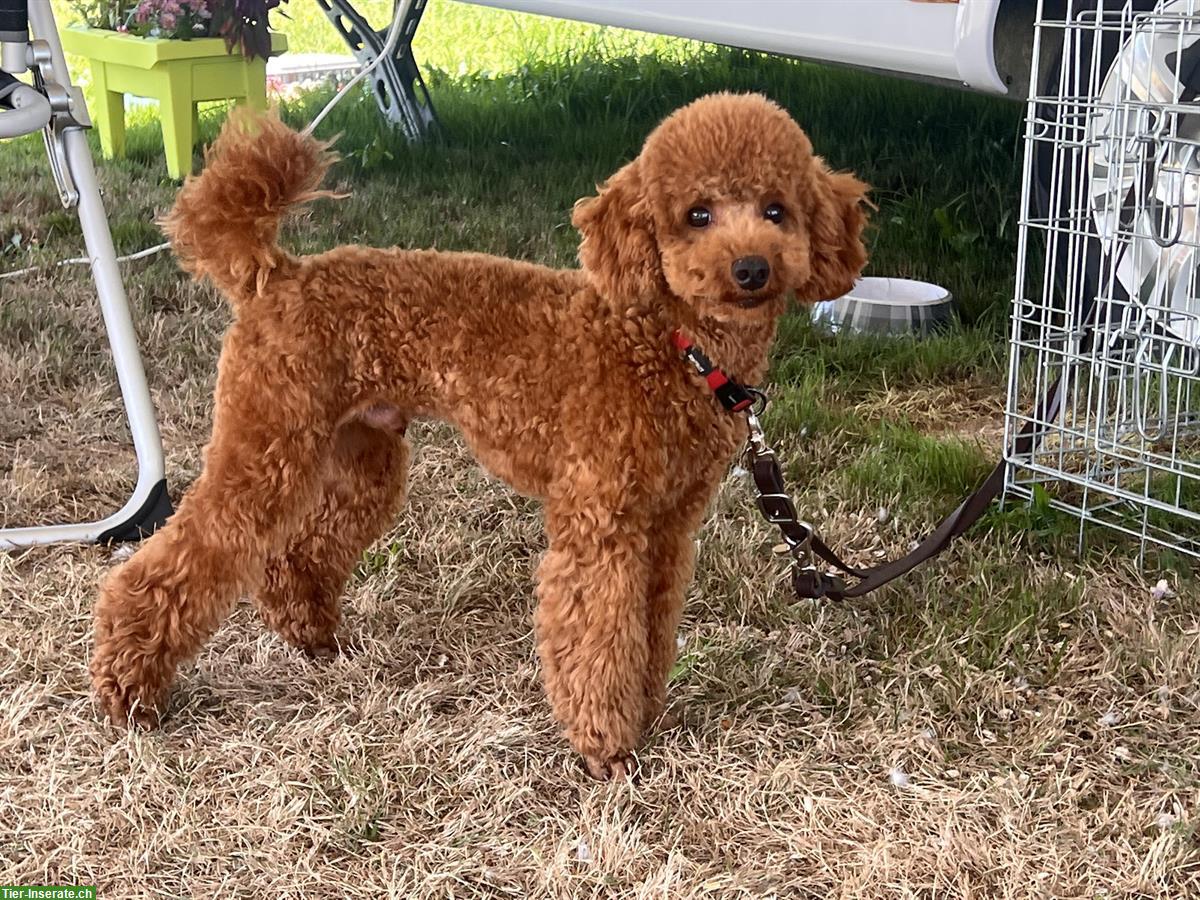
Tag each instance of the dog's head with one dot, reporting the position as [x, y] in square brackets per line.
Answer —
[727, 209]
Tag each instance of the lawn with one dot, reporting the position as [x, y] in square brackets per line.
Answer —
[1016, 719]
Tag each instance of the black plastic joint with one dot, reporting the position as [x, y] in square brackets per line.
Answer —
[148, 518]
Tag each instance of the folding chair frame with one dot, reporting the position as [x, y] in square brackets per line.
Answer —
[71, 160]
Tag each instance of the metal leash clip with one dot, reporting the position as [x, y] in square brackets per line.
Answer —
[778, 509]
[756, 442]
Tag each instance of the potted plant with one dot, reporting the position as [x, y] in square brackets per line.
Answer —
[178, 52]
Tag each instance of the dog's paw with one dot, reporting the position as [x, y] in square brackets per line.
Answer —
[302, 612]
[123, 700]
[321, 650]
[622, 767]
[133, 662]
[130, 686]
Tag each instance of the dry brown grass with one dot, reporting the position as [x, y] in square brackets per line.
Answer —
[969, 410]
[1009, 722]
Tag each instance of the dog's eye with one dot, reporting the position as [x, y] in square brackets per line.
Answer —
[699, 217]
[774, 213]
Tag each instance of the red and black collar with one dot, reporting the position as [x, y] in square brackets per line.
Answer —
[733, 396]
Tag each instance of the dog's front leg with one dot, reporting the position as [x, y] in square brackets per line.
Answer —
[262, 474]
[672, 556]
[591, 631]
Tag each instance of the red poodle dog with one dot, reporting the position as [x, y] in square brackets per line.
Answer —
[565, 383]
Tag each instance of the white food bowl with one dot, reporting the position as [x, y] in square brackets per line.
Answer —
[886, 306]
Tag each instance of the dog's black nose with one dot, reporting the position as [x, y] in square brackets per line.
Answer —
[751, 272]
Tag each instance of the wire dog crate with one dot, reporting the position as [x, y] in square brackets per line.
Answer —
[1106, 319]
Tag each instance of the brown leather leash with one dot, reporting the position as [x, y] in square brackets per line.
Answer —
[804, 544]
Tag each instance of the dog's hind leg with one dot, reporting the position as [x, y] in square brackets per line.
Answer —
[591, 631]
[300, 597]
[262, 474]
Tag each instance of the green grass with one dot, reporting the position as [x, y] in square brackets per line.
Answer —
[461, 38]
[946, 469]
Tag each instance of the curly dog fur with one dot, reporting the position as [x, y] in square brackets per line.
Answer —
[564, 383]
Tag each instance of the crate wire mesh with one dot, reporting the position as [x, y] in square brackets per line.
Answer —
[1111, 192]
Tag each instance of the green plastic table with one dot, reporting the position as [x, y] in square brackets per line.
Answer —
[178, 74]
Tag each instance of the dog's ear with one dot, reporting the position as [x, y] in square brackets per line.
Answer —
[835, 235]
[619, 252]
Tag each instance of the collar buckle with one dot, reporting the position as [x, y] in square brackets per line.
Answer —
[732, 395]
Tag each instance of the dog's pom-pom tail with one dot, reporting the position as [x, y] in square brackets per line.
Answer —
[225, 220]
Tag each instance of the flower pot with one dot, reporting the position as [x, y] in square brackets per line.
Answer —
[178, 74]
